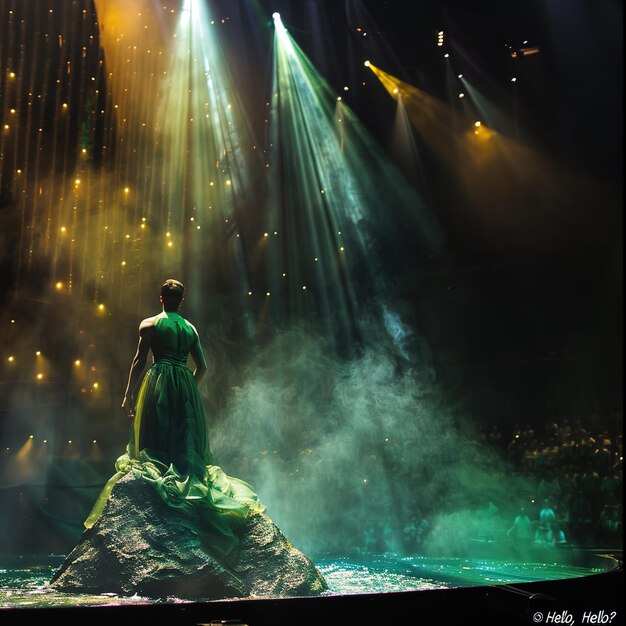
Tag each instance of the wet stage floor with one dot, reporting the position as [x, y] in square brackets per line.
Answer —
[28, 587]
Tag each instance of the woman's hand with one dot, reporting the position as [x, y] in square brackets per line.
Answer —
[127, 407]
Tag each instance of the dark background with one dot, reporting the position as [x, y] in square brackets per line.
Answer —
[527, 328]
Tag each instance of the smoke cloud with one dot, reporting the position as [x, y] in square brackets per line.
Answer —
[348, 454]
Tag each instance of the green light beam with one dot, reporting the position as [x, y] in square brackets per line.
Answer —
[336, 198]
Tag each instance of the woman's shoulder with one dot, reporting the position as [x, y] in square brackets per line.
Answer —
[149, 322]
[191, 326]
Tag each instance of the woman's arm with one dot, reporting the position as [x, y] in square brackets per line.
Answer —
[198, 358]
[137, 366]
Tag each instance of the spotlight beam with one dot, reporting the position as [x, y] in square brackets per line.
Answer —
[331, 182]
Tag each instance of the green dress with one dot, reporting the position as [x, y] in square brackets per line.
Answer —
[169, 446]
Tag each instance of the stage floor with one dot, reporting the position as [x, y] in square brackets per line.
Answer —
[364, 589]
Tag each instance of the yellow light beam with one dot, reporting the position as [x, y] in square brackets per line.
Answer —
[512, 188]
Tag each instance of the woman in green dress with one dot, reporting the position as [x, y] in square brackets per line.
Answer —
[168, 445]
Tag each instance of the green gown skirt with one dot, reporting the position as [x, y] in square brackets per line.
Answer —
[169, 448]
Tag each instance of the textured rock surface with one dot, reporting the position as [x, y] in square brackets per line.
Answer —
[140, 545]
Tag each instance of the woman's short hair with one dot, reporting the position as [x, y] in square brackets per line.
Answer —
[172, 292]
